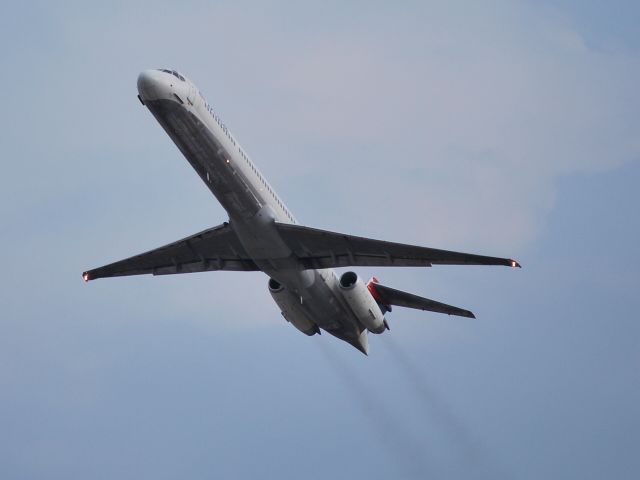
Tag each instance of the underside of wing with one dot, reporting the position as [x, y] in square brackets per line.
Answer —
[217, 248]
[323, 249]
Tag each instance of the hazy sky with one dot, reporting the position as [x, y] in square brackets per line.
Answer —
[503, 128]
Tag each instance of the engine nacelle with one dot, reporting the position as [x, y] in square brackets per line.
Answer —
[289, 305]
[364, 306]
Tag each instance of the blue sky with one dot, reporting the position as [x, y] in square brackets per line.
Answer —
[507, 129]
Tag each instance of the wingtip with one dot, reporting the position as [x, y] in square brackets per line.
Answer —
[85, 276]
[514, 264]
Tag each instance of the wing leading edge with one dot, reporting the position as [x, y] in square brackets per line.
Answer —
[216, 248]
[324, 249]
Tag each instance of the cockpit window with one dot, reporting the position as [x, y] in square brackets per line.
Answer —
[172, 72]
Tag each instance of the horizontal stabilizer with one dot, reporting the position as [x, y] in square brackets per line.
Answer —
[391, 296]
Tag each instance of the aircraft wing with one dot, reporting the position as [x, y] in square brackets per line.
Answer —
[216, 248]
[323, 249]
[391, 296]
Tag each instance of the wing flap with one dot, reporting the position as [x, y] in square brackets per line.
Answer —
[324, 249]
[391, 296]
[216, 248]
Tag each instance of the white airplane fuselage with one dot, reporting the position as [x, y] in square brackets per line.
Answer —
[308, 298]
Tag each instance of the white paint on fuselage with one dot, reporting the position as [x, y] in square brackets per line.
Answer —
[252, 204]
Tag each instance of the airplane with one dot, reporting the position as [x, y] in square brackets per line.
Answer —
[262, 234]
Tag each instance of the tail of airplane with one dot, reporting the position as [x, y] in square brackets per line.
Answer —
[387, 297]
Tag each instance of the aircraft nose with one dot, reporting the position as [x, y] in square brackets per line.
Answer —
[152, 84]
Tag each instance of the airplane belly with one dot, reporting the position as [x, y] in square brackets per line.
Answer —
[208, 157]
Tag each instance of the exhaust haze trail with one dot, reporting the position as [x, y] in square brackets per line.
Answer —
[410, 455]
[471, 452]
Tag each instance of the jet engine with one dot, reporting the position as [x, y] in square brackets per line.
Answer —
[289, 305]
[362, 303]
